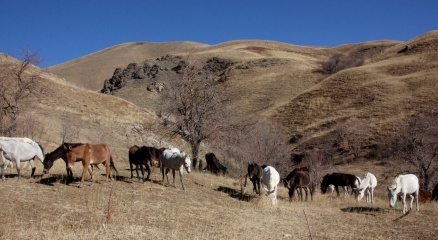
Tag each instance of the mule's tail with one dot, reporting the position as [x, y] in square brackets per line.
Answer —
[113, 166]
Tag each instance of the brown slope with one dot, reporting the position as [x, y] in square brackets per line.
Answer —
[90, 71]
[380, 93]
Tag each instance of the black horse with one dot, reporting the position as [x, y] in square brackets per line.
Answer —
[435, 193]
[213, 164]
[255, 175]
[144, 157]
[339, 179]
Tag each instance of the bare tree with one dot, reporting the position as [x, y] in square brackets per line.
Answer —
[196, 110]
[417, 145]
[319, 162]
[262, 142]
[17, 83]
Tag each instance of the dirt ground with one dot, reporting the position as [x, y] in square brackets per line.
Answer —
[46, 208]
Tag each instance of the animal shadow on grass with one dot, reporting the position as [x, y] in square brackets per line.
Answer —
[117, 177]
[49, 181]
[235, 194]
[364, 210]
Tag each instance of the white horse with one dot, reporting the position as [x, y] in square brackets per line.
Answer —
[271, 178]
[404, 184]
[19, 150]
[366, 187]
[173, 159]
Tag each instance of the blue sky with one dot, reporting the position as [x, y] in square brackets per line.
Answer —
[63, 30]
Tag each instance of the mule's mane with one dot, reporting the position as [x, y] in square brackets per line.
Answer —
[73, 145]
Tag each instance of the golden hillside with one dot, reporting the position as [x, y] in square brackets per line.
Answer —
[285, 81]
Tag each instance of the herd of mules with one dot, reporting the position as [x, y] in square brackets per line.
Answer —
[145, 158]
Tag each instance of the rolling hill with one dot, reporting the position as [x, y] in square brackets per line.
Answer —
[386, 82]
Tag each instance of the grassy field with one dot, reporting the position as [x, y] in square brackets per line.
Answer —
[208, 209]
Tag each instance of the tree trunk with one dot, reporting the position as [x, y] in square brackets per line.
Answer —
[195, 153]
[426, 181]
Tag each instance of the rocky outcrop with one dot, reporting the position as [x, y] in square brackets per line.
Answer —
[154, 73]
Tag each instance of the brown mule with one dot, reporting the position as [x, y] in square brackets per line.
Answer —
[88, 154]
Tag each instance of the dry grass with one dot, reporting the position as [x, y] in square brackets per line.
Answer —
[155, 211]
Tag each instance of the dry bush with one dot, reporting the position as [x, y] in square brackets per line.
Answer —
[339, 62]
[16, 85]
[417, 146]
[319, 162]
[262, 142]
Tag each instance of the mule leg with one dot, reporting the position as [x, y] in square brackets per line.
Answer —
[136, 172]
[130, 167]
[18, 168]
[90, 171]
[417, 194]
[337, 190]
[405, 208]
[109, 174]
[167, 178]
[84, 171]
[259, 189]
[180, 178]
[173, 175]
[291, 194]
[32, 165]
[306, 190]
[3, 164]
[372, 195]
[148, 169]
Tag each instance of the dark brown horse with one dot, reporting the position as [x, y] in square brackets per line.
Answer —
[88, 154]
[255, 175]
[435, 193]
[299, 179]
[143, 156]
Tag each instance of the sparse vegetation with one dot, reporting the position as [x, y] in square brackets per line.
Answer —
[417, 145]
[338, 62]
[17, 83]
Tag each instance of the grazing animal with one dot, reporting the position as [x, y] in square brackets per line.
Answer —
[339, 179]
[271, 178]
[173, 159]
[255, 175]
[143, 156]
[404, 184]
[88, 154]
[213, 164]
[435, 193]
[366, 187]
[299, 179]
[19, 150]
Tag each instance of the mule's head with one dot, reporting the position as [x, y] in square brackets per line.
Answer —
[253, 170]
[392, 196]
[50, 158]
[285, 183]
[48, 162]
[187, 163]
[324, 184]
[359, 193]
